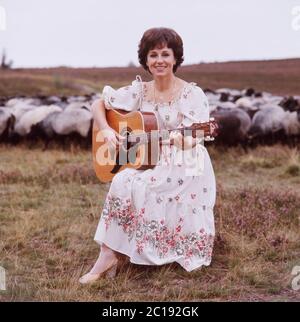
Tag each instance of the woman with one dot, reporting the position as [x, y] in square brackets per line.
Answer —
[165, 214]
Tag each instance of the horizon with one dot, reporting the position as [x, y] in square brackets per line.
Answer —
[184, 65]
[54, 33]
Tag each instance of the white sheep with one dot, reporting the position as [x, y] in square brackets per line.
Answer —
[23, 101]
[230, 91]
[73, 99]
[244, 103]
[267, 121]
[21, 108]
[32, 117]
[78, 105]
[227, 105]
[72, 120]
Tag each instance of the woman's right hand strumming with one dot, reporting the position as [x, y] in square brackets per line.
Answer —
[110, 136]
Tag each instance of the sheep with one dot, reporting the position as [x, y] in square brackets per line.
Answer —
[290, 104]
[73, 120]
[73, 99]
[258, 102]
[233, 126]
[45, 129]
[75, 124]
[230, 91]
[291, 125]
[274, 100]
[248, 91]
[245, 103]
[267, 124]
[7, 121]
[3, 100]
[13, 101]
[224, 105]
[28, 119]
[20, 108]
[78, 105]
[23, 101]
[212, 98]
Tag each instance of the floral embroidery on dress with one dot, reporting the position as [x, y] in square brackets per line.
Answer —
[156, 234]
[153, 179]
[159, 199]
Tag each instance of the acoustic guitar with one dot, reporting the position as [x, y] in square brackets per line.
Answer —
[142, 145]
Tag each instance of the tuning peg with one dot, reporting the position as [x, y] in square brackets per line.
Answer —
[211, 118]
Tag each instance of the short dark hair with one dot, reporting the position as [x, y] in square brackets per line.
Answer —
[158, 37]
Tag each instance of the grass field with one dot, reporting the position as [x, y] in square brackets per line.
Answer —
[50, 203]
[281, 77]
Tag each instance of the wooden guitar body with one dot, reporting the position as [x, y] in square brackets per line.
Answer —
[107, 164]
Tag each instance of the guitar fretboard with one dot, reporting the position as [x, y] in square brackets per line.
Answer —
[162, 134]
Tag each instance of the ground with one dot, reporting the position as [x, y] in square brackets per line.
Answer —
[50, 203]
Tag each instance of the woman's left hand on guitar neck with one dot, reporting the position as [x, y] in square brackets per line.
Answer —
[183, 143]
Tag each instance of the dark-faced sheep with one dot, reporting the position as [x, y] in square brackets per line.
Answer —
[233, 126]
[7, 121]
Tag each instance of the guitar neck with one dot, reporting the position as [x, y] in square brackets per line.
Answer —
[165, 133]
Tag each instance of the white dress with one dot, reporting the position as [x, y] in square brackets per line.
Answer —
[165, 214]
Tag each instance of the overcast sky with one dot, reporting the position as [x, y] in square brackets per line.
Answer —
[87, 33]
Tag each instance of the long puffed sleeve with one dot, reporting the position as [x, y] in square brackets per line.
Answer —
[194, 106]
[127, 98]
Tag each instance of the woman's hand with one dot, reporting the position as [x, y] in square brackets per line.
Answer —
[182, 142]
[112, 138]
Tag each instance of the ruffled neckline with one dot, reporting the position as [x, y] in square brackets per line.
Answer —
[184, 91]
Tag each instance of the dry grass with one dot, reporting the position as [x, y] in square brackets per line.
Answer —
[50, 204]
[280, 77]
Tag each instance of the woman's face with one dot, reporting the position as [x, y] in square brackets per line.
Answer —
[160, 61]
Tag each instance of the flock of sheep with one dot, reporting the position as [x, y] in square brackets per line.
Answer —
[249, 117]
[47, 118]
[243, 116]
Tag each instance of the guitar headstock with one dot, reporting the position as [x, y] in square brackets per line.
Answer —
[214, 127]
[210, 128]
